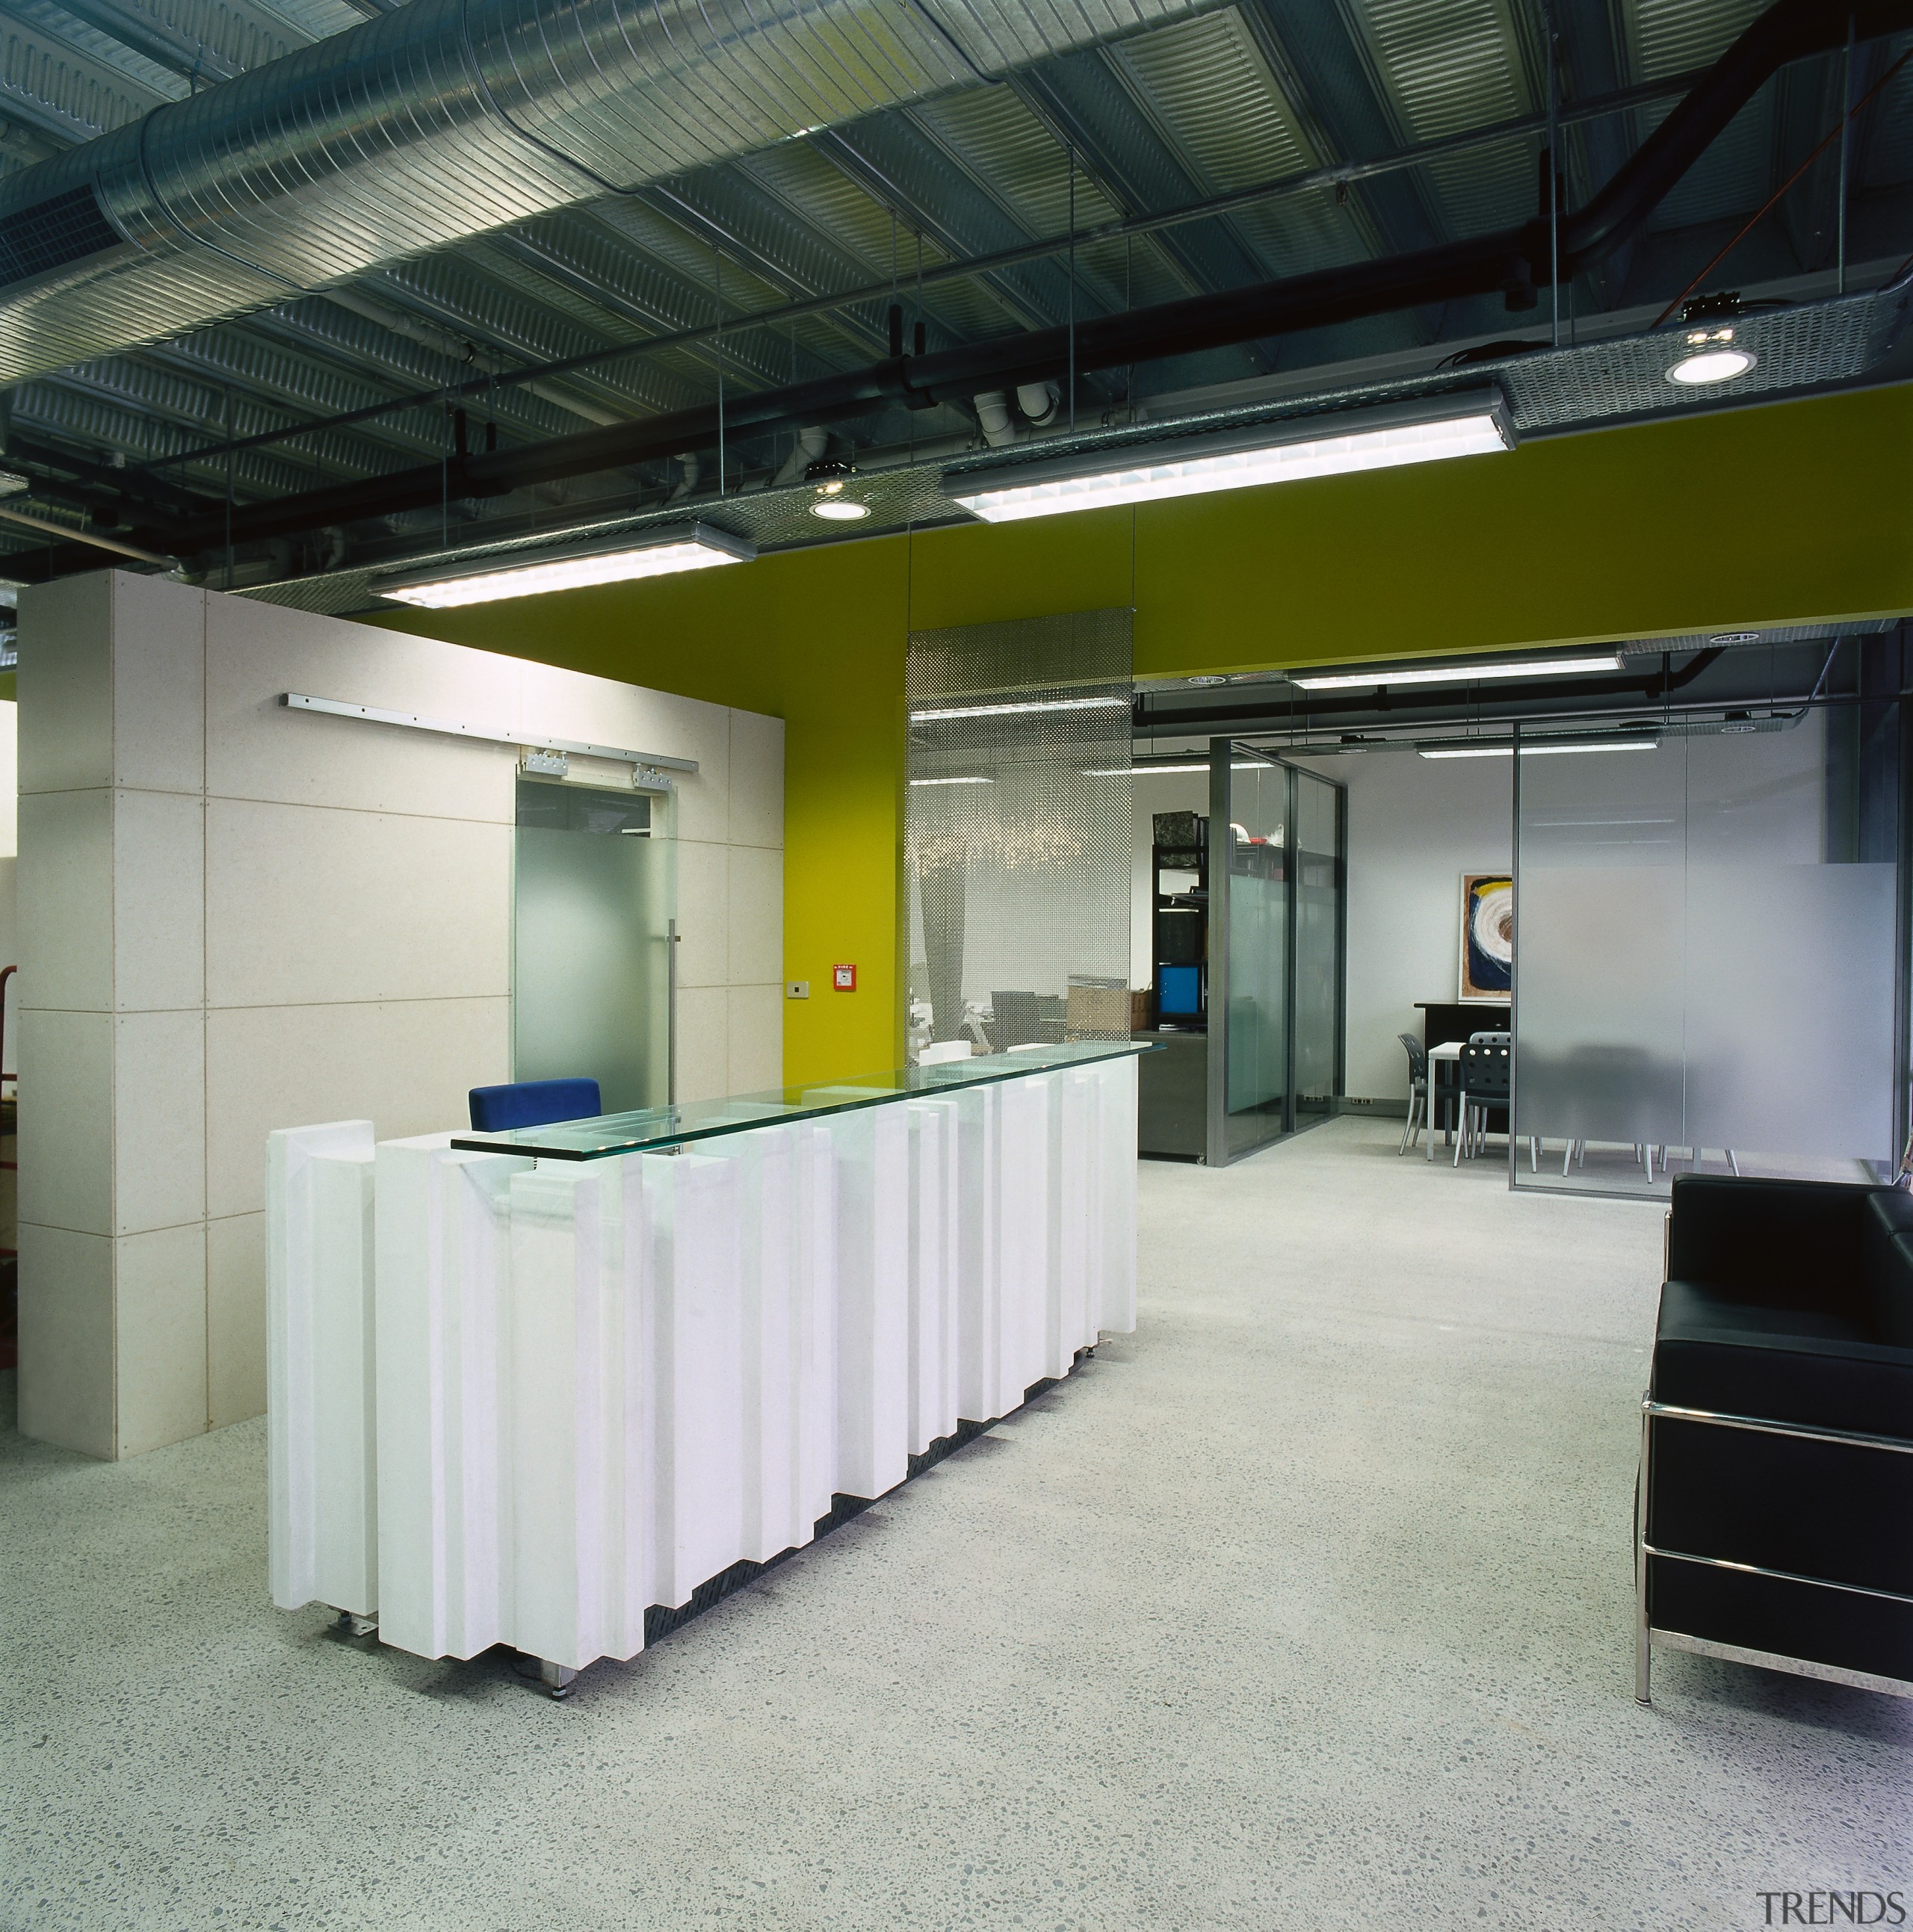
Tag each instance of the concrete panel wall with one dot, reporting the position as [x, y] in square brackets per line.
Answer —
[236, 917]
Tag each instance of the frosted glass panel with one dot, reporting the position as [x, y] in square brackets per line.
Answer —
[1790, 1009]
[594, 890]
[1256, 880]
[1600, 876]
[1702, 964]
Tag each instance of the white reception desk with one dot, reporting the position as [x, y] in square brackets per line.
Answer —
[525, 1386]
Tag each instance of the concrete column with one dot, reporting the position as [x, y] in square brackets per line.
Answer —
[113, 1196]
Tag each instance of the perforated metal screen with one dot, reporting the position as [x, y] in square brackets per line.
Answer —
[1018, 828]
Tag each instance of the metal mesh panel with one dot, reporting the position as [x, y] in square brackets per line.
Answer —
[50, 234]
[1018, 829]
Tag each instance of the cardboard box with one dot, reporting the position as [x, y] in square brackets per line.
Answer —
[1099, 1011]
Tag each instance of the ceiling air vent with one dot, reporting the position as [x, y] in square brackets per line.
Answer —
[52, 234]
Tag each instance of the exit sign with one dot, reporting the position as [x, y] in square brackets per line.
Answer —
[843, 979]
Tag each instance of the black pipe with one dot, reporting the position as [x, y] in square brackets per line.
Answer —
[1505, 262]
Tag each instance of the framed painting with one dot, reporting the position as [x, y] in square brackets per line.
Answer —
[1488, 936]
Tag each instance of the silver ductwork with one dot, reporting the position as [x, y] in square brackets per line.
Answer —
[449, 118]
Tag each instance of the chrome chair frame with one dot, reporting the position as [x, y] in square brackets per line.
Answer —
[1647, 1635]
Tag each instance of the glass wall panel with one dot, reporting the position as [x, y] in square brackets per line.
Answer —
[1790, 959]
[594, 894]
[1705, 964]
[1017, 828]
[1317, 1043]
[1600, 950]
[1249, 855]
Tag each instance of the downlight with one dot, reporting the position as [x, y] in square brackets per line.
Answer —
[1711, 357]
[827, 476]
[836, 509]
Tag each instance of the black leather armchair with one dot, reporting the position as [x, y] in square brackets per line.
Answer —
[1774, 1521]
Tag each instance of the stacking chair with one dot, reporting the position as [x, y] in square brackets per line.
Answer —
[1418, 1093]
[1777, 1437]
[1487, 1064]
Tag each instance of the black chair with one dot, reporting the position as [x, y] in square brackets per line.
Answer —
[1776, 1436]
[1017, 1020]
[1487, 1067]
[1417, 1092]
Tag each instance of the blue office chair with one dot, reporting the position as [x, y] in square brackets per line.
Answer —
[533, 1103]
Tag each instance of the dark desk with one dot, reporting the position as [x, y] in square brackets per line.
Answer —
[1172, 1097]
[1455, 1019]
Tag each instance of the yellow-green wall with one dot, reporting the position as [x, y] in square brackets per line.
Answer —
[1792, 513]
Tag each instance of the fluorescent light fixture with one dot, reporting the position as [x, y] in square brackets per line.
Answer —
[950, 712]
[978, 780]
[611, 560]
[1539, 751]
[1475, 671]
[1471, 422]
[1150, 771]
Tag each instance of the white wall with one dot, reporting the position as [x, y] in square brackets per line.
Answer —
[1415, 826]
[9, 921]
[237, 917]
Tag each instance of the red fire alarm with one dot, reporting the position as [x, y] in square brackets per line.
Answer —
[843, 979]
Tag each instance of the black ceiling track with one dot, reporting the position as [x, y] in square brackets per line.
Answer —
[1512, 261]
[1656, 679]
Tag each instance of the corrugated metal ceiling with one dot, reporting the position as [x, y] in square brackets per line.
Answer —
[1247, 95]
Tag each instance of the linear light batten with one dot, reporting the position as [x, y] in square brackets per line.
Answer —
[613, 559]
[948, 714]
[1152, 771]
[1476, 671]
[1537, 751]
[1473, 424]
[976, 780]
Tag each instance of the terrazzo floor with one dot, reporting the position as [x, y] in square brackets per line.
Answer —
[1306, 1605]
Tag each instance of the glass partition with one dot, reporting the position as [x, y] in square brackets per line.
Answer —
[1705, 965]
[1275, 947]
[594, 894]
[1320, 904]
[1248, 869]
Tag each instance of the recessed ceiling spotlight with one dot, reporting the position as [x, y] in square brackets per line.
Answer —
[1734, 637]
[1710, 359]
[837, 509]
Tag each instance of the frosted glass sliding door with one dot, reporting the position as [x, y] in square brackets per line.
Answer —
[1705, 963]
[595, 892]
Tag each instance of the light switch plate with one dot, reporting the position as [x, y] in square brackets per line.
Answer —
[797, 989]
